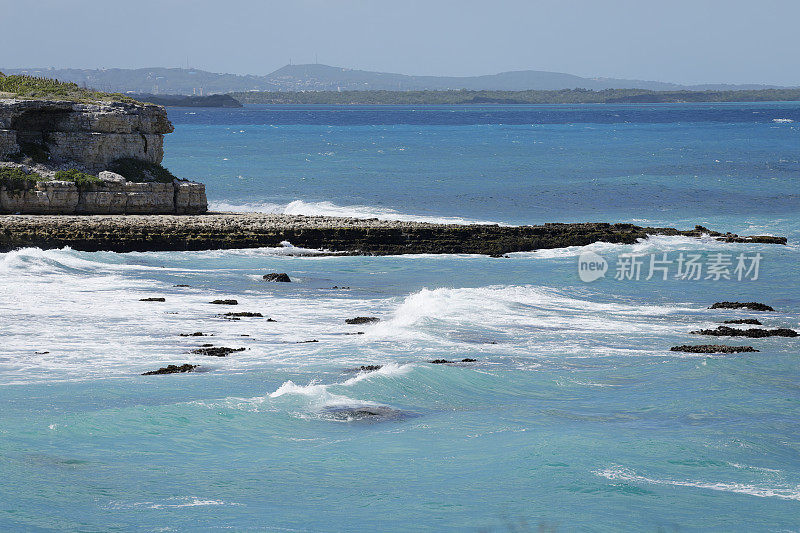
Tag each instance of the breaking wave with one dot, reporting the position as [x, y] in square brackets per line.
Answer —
[329, 209]
[784, 492]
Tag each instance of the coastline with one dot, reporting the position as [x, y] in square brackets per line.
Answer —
[214, 231]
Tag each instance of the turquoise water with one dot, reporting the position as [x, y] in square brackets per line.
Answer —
[575, 416]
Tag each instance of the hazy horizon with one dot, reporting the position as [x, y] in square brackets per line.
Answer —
[732, 42]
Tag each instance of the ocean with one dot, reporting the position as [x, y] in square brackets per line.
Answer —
[573, 416]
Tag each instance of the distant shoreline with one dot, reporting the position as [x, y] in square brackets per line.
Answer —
[466, 97]
[213, 231]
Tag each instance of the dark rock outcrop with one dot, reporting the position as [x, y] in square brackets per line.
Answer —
[370, 368]
[756, 333]
[245, 314]
[171, 369]
[712, 348]
[362, 320]
[195, 334]
[751, 321]
[224, 302]
[217, 352]
[753, 306]
[155, 299]
[278, 278]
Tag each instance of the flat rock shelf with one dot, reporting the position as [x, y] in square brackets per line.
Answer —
[140, 233]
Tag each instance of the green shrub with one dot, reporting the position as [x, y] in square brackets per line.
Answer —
[16, 179]
[49, 89]
[81, 179]
[140, 171]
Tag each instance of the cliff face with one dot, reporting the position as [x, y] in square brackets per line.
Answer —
[112, 196]
[42, 137]
[93, 135]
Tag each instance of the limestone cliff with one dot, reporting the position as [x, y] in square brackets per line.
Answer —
[116, 146]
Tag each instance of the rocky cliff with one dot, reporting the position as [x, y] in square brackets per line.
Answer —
[63, 157]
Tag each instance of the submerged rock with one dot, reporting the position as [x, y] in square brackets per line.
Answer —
[245, 314]
[171, 369]
[362, 320]
[217, 352]
[370, 368]
[224, 302]
[725, 331]
[712, 348]
[753, 306]
[152, 299]
[751, 321]
[446, 362]
[182, 285]
[364, 413]
[276, 277]
[196, 334]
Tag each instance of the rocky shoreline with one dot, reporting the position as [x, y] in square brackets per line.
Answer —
[142, 233]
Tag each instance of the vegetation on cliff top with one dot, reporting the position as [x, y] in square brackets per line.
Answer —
[141, 171]
[565, 96]
[80, 179]
[33, 88]
[16, 179]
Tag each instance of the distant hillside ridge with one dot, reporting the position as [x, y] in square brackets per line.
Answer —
[318, 77]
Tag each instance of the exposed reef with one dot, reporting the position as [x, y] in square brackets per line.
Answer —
[171, 369]
[336, 235]
[756, 333]
[753, 306]
[712, 348]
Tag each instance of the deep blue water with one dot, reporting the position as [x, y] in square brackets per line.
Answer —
[575, 416]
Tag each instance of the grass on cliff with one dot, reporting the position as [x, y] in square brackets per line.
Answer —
[16, 179]
[32, 87]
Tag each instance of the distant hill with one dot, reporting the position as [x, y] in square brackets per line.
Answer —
[317, 77]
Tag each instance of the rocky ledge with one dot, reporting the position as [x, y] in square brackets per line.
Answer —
[336, 235]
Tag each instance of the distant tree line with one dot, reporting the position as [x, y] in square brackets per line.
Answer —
[565, 96]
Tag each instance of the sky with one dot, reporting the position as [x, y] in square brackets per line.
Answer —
[698, 41]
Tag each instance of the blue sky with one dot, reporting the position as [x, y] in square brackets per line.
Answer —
[670, 40]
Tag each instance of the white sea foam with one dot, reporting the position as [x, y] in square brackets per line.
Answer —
[783, 492]
[319, 399]
[172, 503]
[651, 244]
[782, 120]
[300, 207]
